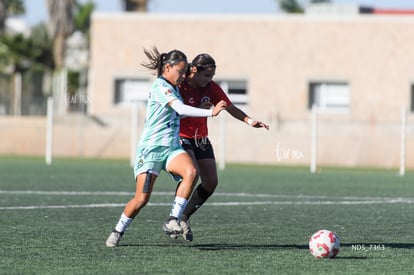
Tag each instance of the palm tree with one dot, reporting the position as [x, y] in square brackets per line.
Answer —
[61, 26]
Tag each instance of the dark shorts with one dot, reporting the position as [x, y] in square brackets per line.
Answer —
[201, 147]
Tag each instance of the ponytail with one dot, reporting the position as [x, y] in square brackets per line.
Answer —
[156, 61]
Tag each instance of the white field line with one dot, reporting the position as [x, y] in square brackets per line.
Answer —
[247, 195]
[304, 199]
[109, 205]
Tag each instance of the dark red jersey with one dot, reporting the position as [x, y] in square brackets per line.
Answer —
[196, 127]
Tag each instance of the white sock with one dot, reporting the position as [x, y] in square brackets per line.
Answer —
[123, 223]
[178, 207]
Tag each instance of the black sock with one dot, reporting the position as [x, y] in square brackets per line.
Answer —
[199, 197]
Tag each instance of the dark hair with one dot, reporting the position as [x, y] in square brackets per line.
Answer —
[203, 61]
[157, 61]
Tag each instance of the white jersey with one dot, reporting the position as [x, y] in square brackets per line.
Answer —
[162, 123]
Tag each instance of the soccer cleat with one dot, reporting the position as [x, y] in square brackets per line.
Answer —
[113, 239]
[187, 233]
[172, 228]
[173, 236]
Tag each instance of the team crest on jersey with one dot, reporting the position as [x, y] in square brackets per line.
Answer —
[205, 99]
[140, 163]
[168, 92]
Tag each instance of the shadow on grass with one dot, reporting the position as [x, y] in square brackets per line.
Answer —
[248, 246]
[229, 246]
[270, 247]
[221, 246]
[362, 247]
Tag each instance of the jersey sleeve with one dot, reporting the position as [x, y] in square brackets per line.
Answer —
[164, 93]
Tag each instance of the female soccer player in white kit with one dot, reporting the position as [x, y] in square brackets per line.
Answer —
[159, 147]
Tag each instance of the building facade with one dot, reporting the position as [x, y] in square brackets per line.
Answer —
[358, 70]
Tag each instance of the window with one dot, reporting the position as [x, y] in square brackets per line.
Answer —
[236, 90]
[329, 97]
[129, 90]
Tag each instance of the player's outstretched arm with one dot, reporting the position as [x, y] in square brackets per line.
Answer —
[242, 116]
[187, 110]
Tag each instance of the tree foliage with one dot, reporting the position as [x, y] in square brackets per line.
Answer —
[22, 53]
[82, 16]
[320, 1]
[290, 6]
[293, 6]
[43, 43]
[14, 7]
[10, 8]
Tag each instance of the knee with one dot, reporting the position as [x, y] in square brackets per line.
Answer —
[191, 173]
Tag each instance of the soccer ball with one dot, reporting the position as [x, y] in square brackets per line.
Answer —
[324, 244]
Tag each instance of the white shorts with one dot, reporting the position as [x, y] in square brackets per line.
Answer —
[154, 159]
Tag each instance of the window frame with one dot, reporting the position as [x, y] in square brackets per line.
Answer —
[121, 94]
[228, 85]
[318, 93]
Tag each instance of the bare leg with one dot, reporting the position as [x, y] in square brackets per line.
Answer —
[144, 184]
[183, 166]
[142, 194]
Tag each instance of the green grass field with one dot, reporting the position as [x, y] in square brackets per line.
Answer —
[55, 220]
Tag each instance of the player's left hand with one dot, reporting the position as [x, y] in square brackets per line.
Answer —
[259, 124]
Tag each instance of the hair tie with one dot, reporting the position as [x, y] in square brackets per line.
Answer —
[163, 57]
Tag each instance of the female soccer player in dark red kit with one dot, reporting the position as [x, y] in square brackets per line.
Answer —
[199, 90]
